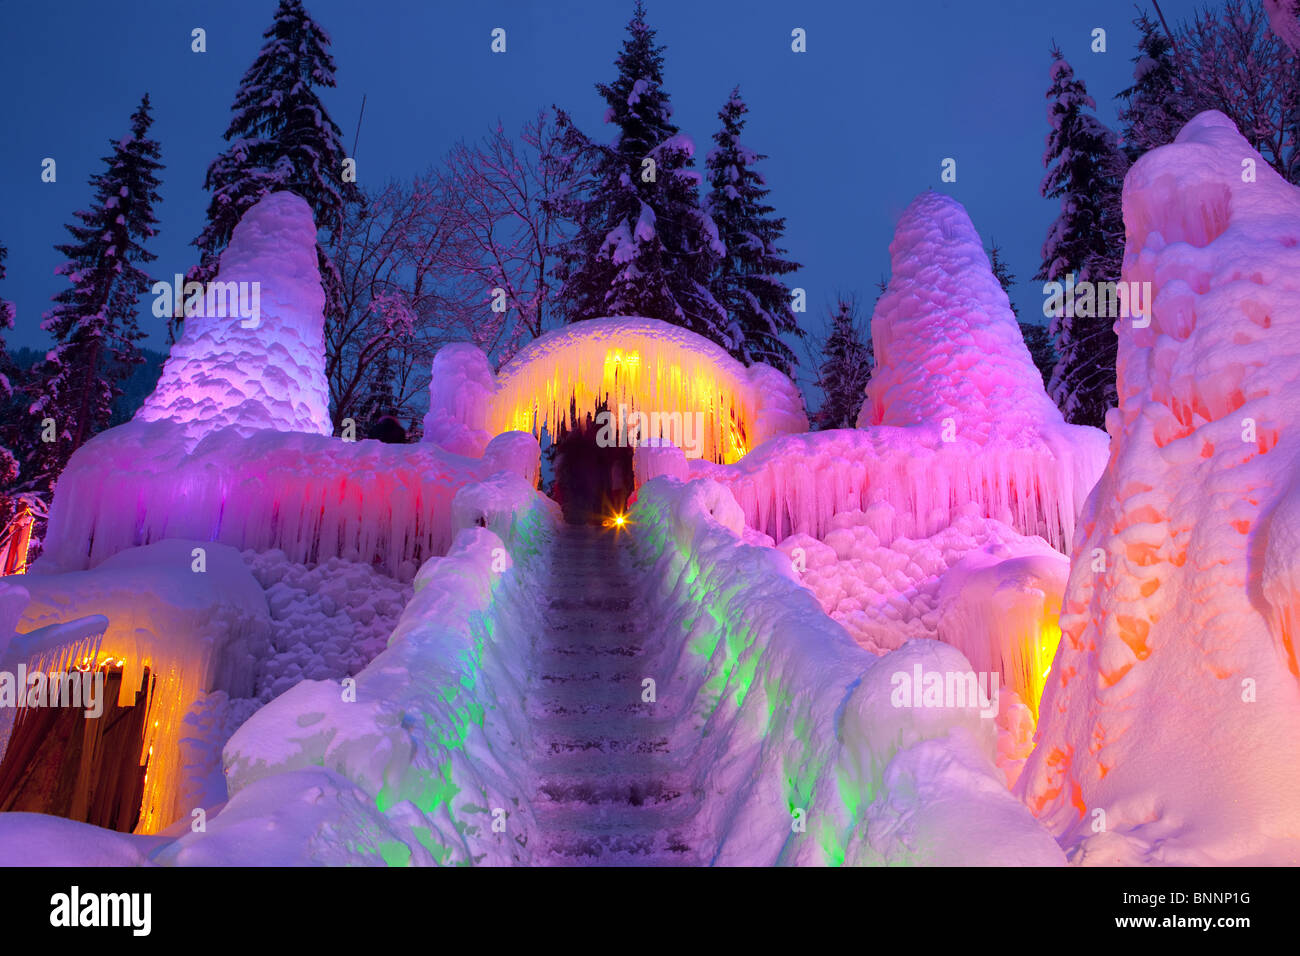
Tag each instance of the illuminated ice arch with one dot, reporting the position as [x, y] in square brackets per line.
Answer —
[629, 365]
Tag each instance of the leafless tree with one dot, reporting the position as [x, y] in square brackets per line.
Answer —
[1229, 60]
[500, 193]
[462, 253]
[389, 252]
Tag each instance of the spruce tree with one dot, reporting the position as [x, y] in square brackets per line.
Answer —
[281, 137]
[643, 244]
[8, 460]
[1038, 340]
[1153, 109]
[847, 361]
[1006, 278]
[1084, 171]
[379, 400]
[94, 322]
[746, 281]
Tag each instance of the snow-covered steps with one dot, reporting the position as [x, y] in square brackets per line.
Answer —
[609, 792]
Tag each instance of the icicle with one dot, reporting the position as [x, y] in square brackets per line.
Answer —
[58, 648]
[641, 364]
[312, 497]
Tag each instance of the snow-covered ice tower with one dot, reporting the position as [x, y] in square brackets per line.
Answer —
[947, 344]
[264, 372]
[955, 413]
[1170, 727]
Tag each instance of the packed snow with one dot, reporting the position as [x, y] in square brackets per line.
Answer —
[327, 620]
[886, 589]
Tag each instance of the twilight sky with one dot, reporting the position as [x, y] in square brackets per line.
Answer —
[854, 128]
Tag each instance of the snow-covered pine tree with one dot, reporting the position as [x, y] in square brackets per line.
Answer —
[1002, 272]
[1154, 108]
[8, 460]
[281, 137]
[379, 400]
[746, 281]
[643, 244]
[1084, 171]
[1037, 338]
[847, 361]
[94, 323]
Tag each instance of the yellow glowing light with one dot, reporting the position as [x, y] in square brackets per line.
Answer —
[666, 371]
[1043, 653]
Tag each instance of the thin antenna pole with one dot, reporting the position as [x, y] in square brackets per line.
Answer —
[1165, 23]
[358, 133]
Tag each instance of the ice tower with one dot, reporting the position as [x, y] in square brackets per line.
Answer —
[265, 370]
[1170, 730]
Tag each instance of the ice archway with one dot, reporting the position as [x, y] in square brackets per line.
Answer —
[642, 365]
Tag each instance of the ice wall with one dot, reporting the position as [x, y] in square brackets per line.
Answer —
[797, 484]
[1170, 727]
[311, 496]
[262, 372]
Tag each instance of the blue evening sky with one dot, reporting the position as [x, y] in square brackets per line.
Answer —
[854, 128]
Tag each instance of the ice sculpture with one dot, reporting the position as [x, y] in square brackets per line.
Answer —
[643, 365]
[956, 411]
[1170, 726]
[262, 372]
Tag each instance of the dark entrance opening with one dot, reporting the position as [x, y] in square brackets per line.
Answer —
[592, 482]
[61, 762]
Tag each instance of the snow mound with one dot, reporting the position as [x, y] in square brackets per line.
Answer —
[886, 589]
[37, 839]
[461, 387]
[327, 621]
[229, 372]
[947, 344]
[1173, 706]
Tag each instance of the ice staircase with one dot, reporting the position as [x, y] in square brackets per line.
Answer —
[609, 791]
